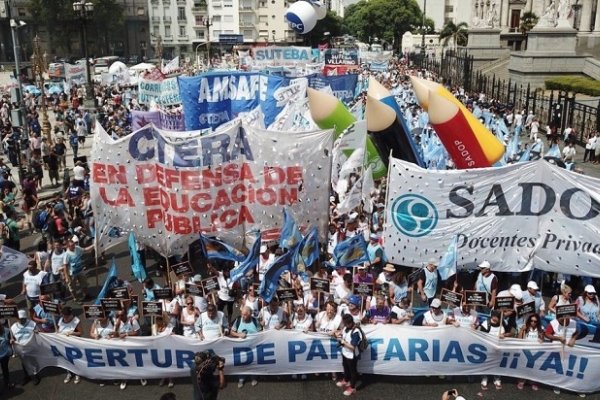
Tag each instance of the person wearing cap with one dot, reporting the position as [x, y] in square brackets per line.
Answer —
[70, 325]
[511, 323]
[22, 332]
[387, 275]
[487, 282]
[427, 282]
[352, 307]
[332, 238]
[265, 260]
[376, 254]
[587, 305]
[32, 280]
[363, 275]
[435, 316]
[493, 327]
[74, 268]
[533, 294]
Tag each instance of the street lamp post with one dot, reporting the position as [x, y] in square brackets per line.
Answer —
[38, 61]
[84, 10]
[21, 117]
[423, 28]
[207, 22]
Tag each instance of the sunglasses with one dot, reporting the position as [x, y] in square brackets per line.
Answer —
[190, 304]
[534, 320]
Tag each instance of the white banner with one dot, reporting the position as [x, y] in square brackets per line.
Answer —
[12, 263]
[163, 93]
[169, 186]
[281, 56]
[517, 217]
[75, 74]
[393, 350]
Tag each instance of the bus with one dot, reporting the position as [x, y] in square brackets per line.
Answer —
[102, 64]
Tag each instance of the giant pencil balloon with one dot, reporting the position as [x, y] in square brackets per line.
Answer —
[387, 133]
[455, 132]
[379, 92]
[329, 112]
[486, 140]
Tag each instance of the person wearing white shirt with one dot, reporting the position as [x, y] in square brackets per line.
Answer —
[32, 280]
[22, 331]
[126, 326]
[264, 261]
[435, 316]
[211, 324]
[569, 153]
[69, 325]
[273, 316]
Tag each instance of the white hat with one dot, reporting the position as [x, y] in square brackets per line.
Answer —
[197, 278]
[436, 303]
[432, 261]
[516, 292]
[589, 289]
[459, 398]
[532, 285]
[332, 198]
[74, 239]
[374, 236]
[362, 266]
[263, 248]
[389, 268]
[22, 314]
[484, 265]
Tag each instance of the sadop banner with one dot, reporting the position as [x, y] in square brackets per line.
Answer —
[284, 56]
[212, 99]
[393, 350]
[163, 93]
[170, 186]
[75, 74]
[342, 86]
[517, 217]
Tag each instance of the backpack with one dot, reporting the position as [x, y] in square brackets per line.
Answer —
[364, 342]
[40, 220]
[238, 321]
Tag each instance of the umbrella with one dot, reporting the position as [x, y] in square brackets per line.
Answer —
[55, 90]
[32, 89]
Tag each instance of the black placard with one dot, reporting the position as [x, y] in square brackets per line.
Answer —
[363, 289]
[135, 300]
[51, 288]
[194, 290]
[164, 293]
[474, 298]
[287, 295]
[9, 311]
[504, 303]
[50, 307]
[93, 311]
[152, 308]
[527, 308]
[321, 285]
[182, 268]
[568, 310]
[210, 285]
[119, 293]
[451, 298]
[111, 304]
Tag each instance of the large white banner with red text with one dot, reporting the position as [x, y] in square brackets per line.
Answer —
[168, 187]
[393, 350]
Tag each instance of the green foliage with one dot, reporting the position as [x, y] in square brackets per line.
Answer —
[455, 32]
[332, 23]
[528, 21]
[384, 19]
[577, 84]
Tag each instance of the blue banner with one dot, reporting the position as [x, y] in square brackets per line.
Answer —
[342, 86]
[209, 100]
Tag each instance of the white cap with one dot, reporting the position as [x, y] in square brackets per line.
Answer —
[74, 239]
[362, 266]
[516, 292]
[459, 398]
[589, 289]
[197, 278]
[484, 265]
[263, 248]
[436, 303]
[532, 285]
[22, 314]
[332, 198]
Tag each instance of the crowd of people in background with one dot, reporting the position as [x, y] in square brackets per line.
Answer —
[64, 225]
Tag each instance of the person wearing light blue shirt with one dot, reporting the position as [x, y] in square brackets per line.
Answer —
[5, 354]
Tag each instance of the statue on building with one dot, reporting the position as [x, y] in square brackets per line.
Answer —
[563, 13]
[492, 18]
[548, 18]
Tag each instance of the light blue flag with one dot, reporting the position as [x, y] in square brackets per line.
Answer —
[553, 151]
[270, 282]
[109, 282]
[447, 266]
[351, 252]
[138, 269]
[513, 147]
[215, 248]
[290, 235]
[309, 247]
[526, 155]
[250, 262]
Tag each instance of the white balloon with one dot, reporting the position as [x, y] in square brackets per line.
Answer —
[301, 17]
[320, 9]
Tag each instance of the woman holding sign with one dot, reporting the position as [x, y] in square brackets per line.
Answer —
[531, 332]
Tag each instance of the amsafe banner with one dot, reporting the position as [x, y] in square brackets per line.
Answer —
[170, 186]
[393, 350]
[525, 215]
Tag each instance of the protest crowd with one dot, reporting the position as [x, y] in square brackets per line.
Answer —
[320, 294]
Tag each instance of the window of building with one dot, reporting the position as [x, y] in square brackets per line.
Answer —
[515, 19]
[227, 18]
[183, 49]
[248, 33]
[262, 4]
[263, 33]
[167, 30]
[155, 11]
[182, 31]
[200, 34]
[216, 18]
[181, 13]
[449, 9]
[227, 3]
[156, 30]
[263, 19]
[141, 11]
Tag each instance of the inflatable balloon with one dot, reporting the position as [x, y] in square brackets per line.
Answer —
[320, 9]
[302, 17]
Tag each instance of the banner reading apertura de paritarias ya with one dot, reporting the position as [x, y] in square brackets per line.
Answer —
[211, 99]
[163, 92]
[170, 186]
[517, 217]
[393, 350]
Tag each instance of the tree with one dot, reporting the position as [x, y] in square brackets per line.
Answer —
[528, 21]
[384, 19]
[455, 32]
[332, 23]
